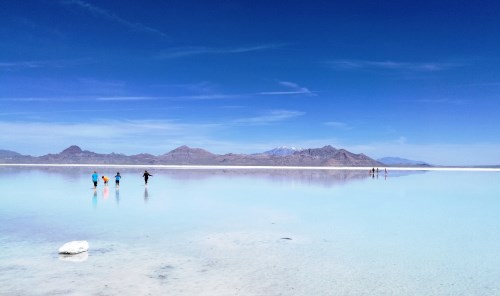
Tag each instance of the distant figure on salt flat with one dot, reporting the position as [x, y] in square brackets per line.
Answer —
[146, 177]
[105, 179]
[117, 179]
[95, 179]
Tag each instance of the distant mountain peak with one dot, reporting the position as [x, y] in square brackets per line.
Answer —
[73, 149]
[184, 152]
[282, 151]
[8, 153]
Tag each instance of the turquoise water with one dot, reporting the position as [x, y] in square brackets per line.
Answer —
[250, 233]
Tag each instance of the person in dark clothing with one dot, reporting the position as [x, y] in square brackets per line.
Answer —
[146, 177]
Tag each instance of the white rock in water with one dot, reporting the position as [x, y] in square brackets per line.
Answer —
[74, 247]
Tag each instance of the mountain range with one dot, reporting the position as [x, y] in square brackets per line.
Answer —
[184, 155]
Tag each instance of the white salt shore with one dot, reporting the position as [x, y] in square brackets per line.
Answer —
[235, 167]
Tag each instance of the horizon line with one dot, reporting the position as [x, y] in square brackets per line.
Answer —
[239, 167]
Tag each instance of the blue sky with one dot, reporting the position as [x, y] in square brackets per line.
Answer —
[415, 79]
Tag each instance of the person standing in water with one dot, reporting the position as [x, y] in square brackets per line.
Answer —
[105, 179]
[146, 177]
[117, 179]
[95, 179]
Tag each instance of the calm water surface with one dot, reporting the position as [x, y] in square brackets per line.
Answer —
[250, 233]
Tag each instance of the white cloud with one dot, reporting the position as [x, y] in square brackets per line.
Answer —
[126, 98]
[160, 136]
[18, 65]
[294, 89]
[104, 136]
[182, 52]
[338, 125]
[390, 65]
[100, 12]
[434, 153]
[270, 117]
[443, 101]
[214, 96]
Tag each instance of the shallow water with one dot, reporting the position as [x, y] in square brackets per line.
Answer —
[250, 233]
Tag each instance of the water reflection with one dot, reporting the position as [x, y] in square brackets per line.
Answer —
[325, 178]
[234, 224]
[117, 195]
[146, 195]
[105, 192]
[94, 198]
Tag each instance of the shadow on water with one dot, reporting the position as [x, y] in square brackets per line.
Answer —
[80, 257]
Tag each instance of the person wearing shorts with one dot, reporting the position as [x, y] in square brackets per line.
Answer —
[95, 179]
[117, 179]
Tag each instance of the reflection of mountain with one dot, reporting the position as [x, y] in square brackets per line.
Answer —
[326, 156]
[313, 177]
[397, 161]
[325, 178]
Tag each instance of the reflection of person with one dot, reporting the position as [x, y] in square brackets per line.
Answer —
[146, 195]
[94, 199]
[117, 179]
[146, 176]
[105, 192]
[95, 179]
[105, 179]
[117, 195]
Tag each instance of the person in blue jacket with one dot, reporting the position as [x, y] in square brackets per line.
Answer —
[117, 179]
[95, 179]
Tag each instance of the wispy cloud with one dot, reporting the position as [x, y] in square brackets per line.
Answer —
[443, 101]
[18, 65]
[182, 52]
[125, 98]
[480, 84]
[293, 89]
[434, 153]
[338, 125]
[270, 117]
[390, 65]
[100, 12]
[157, 136]
[171, 98]
[22, 64]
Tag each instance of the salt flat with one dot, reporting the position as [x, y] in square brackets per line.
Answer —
[250, 232]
